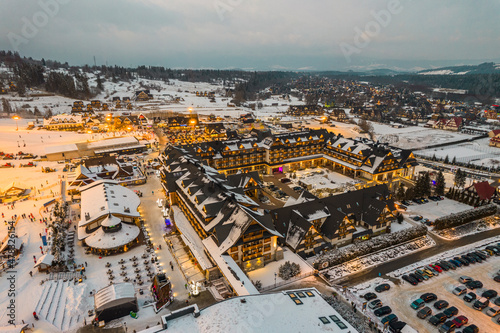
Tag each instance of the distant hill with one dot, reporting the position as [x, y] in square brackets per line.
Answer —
[484, 68]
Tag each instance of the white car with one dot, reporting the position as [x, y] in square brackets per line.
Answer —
[493, 311]
[459, 290]
[464, 279]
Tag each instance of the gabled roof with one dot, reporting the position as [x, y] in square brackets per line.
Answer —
[484, 190]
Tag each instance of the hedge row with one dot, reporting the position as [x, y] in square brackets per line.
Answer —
[339, 256]
[456, 219]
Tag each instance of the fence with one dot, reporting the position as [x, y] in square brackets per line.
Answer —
[282, 283]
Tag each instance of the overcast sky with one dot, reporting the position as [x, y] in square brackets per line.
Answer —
[254, 34]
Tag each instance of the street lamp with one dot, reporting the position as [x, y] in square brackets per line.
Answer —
[16, 118]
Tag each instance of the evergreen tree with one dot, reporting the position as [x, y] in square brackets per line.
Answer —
[440, 184]
[419, 187]
[99, 83]
[410, 193]
[454, 160]
[37, 112]
[48, 113]
[460, 177]
[21, 88]
[400, 194]
[446, 160]
[426, 184]
[6, 106]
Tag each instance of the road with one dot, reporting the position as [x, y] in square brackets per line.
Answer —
[441, 246]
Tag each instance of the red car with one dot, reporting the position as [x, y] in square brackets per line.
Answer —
[460, 321]
[437, 268]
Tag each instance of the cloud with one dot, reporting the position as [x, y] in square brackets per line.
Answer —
[253, 33]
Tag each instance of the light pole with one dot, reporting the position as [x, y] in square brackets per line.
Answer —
[16, 118]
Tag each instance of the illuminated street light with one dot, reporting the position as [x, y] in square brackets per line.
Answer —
[16, 118]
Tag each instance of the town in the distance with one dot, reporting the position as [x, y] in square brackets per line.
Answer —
[156, 200]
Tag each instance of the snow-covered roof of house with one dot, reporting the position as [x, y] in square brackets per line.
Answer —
[100, 239]
[46, 259]
[191, 238]
[127, 140]
[113, 295]
[105, 197]
[291, 311]
[60, 148]
[235, 276]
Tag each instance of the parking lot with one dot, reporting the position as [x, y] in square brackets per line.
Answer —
[401, 295]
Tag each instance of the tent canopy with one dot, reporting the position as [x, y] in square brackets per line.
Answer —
[114, 295]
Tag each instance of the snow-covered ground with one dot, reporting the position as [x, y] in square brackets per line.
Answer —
[432, 210]
[471, 228]
[401, 295]
[477, 152]
[322, 180]
[415, 137]
[266, 275]
[374, 259]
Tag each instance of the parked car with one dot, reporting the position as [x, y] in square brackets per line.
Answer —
[285, 180]
[432, 269]
[493, 311]
[417, 304]
[460, 321]
[474, 284]
[437, 319]
[497, 301]
[441, 304]
[385, 310]
[428, 272]
[452, 264]
[462, 261]
[460, 290]
[428, 297]
[471, 329]
[496, 278]
[417, 277]
[451, 311]
[481, 303]
[480, 255]
[424, 312]
[409, 280]
[370, 296]
[416, 217]
[464, 279]
[382, 287]
[421, 277]
[448, 326]
[375, 304]
[471, 259]
[456, 263]
[489, 294]
[388, 319]
[437, 268]
[297, 188]
[469, 297]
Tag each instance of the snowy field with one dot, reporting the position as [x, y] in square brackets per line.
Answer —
[432, 210]
[477, 152]
[323, 180]
[266, 274]
[401, 295]
[415, 137]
